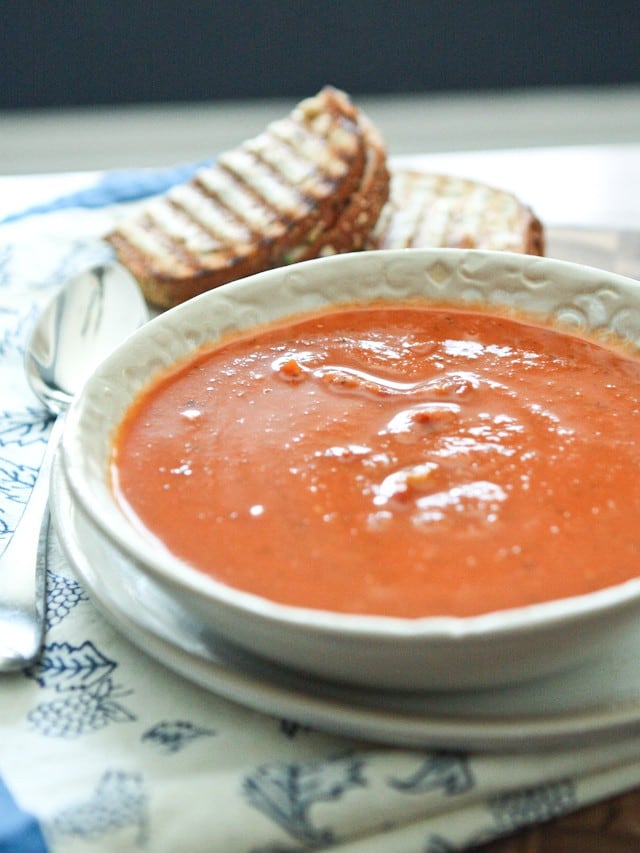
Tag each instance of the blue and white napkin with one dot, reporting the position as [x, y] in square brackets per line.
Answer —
[103, 749]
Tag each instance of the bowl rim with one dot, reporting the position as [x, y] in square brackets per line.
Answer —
[152, 556]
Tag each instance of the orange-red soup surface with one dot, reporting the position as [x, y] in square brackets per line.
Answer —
[406, 461]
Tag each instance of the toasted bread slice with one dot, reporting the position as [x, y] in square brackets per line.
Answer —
[427, 210]
[259, 206]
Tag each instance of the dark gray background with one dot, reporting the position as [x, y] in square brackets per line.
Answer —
[97, 52]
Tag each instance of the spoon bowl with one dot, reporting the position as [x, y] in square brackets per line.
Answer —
[94, 312]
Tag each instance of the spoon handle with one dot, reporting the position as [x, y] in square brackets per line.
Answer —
[23, 572]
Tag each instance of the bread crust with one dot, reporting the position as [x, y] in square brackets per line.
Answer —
[354, 225]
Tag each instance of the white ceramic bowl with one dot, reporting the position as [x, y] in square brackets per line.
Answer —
[430, 653]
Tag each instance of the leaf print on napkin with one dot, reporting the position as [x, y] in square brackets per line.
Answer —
[24, 427]
[290, 729]
[286, 792]
[67, 667]
[16, 481]
[16, 484]
[118, 802]
[172, 736]
[82, 675]
[449, 772]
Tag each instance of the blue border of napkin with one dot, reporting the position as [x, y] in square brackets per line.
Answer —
[19, 830]
[115, 187]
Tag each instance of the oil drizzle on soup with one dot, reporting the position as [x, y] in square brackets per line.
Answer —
[405, 461]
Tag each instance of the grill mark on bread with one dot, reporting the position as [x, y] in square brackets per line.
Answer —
[282, 198]
[311, 147]
[162, 258]
[238, 201]
[197, 246]
[175, 245]
[182, 228]
[302, 158]
[282, 158]
[212, 217]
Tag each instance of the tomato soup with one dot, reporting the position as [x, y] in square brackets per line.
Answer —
[399, 460]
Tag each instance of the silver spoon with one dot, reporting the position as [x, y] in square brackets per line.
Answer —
[88, 318]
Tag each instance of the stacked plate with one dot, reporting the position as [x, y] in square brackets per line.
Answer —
[599, 698]
[515, 679]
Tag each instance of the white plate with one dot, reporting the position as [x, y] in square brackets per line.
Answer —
[599, 700]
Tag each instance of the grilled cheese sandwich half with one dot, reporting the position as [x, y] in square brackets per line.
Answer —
[436, 211]
[312, 183]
